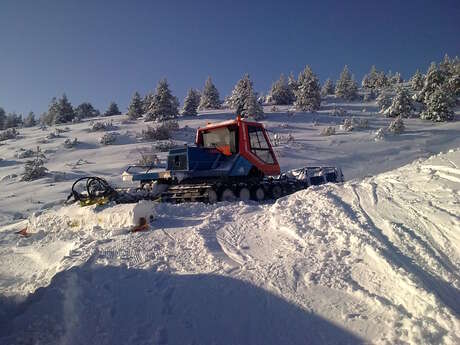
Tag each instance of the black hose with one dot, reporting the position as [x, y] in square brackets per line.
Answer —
[96, 187]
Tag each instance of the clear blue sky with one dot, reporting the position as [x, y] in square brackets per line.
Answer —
[100, 51]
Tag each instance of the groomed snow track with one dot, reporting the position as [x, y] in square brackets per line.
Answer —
[372, 261]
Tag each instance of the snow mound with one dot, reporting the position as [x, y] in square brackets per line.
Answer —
[112, 219]
[391, 241]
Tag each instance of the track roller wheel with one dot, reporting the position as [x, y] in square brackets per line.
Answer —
[212, 196]
[259, 194]
[227, 195]
[276, 192]
[244, 194]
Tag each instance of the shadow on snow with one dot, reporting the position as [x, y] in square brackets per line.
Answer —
[117, 305]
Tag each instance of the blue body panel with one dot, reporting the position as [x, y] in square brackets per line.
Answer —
[196, 162]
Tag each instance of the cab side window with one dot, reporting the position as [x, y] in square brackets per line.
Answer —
[259, 145]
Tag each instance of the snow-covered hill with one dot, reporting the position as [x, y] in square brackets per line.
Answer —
[374, 260]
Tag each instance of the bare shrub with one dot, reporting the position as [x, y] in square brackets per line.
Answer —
[98, 126]
[10, 133]
[347, 125]
[164, 145]
[108, 138]
[337, 111]
[25, 153]
[69, 143]
[327, 131]
[160, 132]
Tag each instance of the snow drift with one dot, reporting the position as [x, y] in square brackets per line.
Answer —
[370, 261]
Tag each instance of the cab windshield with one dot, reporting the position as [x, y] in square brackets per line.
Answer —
[224, 139]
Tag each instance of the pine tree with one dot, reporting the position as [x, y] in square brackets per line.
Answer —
[191, 102]
[64, 111]
[445, 65]
[401, 105]
[210, 97]
[135, 109]
[328, 88]
[416, 81]
[292, 82]
[29, 120]
[112, 110]
[252, 107]
[433, 80]
[438, 106]
[147, 101]
[384, 100]
[85, 110]
[50, 116]
[13, 120]
[396, 79]
[370, 79]
[2, 118]
[381, 80]
[396, 126]
[308, 97]
[164, 105]
[240, 93]
[346, 86]
[281, 93]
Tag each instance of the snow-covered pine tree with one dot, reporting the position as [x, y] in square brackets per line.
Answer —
[346, 86]
[445, 65]
[252, 107]
[396, 126]
[65, 112]
[396, 79]
[191, 102]
[164, 105]
[433, 80]
[13, 120]
[29, 120]
[34, 169]
[240, 93]
[135, 108]
[438, 106]
[210, 98]
[328, 88]
[308, 96]
[112, 110]
[2, 118]
[401, 104]
[370, 79]
[49, 117]
[292, 82]
[384, 100]
[281, 93]
[147, 101]
[85, 110]
[381, 80]
[416, 81]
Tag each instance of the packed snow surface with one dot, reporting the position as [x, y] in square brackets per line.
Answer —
[373, 260]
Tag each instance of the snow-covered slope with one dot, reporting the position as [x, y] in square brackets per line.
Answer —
[375, 260]
[356, 152]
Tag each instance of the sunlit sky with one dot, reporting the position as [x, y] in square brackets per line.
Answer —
[100, 51]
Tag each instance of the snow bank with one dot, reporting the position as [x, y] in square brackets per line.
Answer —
[111, 219]
[391, 241]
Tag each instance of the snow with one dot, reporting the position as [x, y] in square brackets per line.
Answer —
[374, 260]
